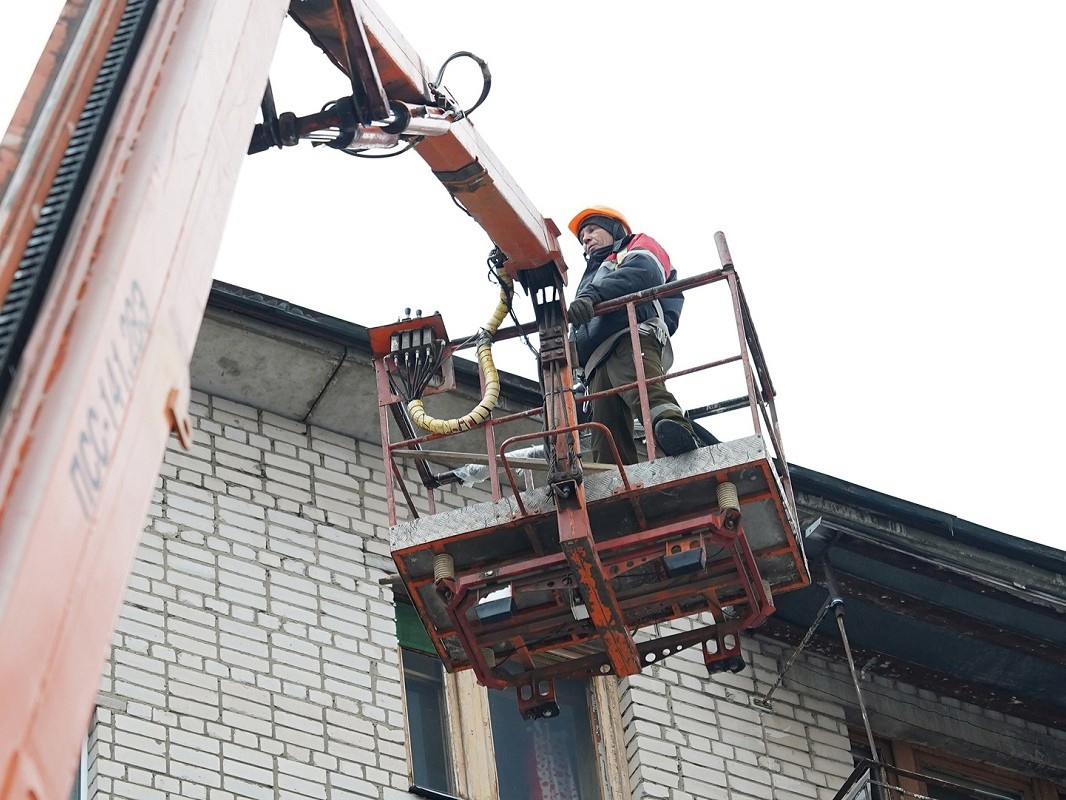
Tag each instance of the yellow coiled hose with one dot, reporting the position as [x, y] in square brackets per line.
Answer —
[481, 411]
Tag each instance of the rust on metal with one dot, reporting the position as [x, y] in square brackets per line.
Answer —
[575, 539]
[44, 120]
[596, 555]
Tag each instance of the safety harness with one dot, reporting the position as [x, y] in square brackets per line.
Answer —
[655, 325]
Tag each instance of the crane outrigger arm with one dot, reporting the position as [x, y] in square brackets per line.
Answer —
[459, 158]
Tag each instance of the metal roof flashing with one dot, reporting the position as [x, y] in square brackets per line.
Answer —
[932, 600]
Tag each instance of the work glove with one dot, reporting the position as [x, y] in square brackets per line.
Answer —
[580, 311]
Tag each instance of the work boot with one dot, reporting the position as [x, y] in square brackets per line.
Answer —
[674, 437]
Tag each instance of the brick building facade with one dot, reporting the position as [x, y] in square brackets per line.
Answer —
[258, 653]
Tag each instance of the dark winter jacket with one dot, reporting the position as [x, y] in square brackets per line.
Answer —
[644, 265]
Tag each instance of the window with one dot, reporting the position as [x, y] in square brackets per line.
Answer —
[427, 721]
[965, 781]
[469, 742]
[549, 759]
[428, 732]
[915, 771]
[861, 754]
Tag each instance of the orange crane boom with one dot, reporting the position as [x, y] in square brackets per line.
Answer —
[95, 372]
[460, 159]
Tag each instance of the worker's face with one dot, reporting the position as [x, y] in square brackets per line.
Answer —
[593, 237]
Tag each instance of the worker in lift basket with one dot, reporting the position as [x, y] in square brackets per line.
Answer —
[620, 262]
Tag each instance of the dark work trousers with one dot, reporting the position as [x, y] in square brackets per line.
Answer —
[618, 411]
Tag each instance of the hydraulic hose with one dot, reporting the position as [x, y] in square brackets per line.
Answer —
[482, 410]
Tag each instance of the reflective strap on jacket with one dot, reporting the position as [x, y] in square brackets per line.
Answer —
[656, 324]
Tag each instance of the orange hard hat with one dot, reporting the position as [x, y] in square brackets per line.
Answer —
[597, 211]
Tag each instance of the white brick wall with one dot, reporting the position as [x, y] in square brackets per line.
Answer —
[256, 654]
[691, 736]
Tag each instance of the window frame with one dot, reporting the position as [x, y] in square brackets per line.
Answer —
[922, 760]
[919, 759]
[468, 721]
[575, 697]
[447, 706]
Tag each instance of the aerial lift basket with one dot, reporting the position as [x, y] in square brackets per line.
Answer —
[576, 579]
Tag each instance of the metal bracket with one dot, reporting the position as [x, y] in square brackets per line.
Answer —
[536, 699]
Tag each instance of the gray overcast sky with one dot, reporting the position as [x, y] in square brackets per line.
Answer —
[890, 177]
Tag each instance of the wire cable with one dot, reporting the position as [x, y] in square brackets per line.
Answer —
[491, 395]
[494, 261]
[486, 80]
